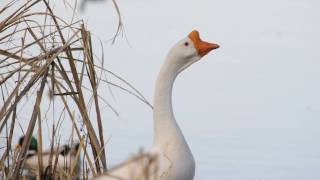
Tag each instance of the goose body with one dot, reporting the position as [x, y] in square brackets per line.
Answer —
[174, 160]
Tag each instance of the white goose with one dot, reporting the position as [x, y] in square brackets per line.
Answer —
[174, 158]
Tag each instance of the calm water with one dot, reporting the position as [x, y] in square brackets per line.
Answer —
[228, 150]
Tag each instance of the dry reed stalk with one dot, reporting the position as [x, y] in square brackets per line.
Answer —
[26, 143]
[39, 52]
[40, 158]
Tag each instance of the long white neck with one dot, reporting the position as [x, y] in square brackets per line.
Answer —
[165, 125]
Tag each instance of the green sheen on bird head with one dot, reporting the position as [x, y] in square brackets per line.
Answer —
[33, 143]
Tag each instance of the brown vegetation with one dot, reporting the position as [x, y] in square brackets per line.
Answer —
[42, 54]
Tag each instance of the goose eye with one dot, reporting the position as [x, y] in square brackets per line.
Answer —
[186, 43]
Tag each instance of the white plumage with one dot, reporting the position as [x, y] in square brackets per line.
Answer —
[173, 159]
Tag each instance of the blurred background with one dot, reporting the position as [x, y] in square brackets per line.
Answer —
[249, 110]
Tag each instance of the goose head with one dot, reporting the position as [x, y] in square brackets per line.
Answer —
[189, 50]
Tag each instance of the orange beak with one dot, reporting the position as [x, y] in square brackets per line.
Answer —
[202, 47]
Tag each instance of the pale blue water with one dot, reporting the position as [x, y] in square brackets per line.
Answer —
[229, 151]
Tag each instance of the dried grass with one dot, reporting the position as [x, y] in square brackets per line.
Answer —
[41, 53]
